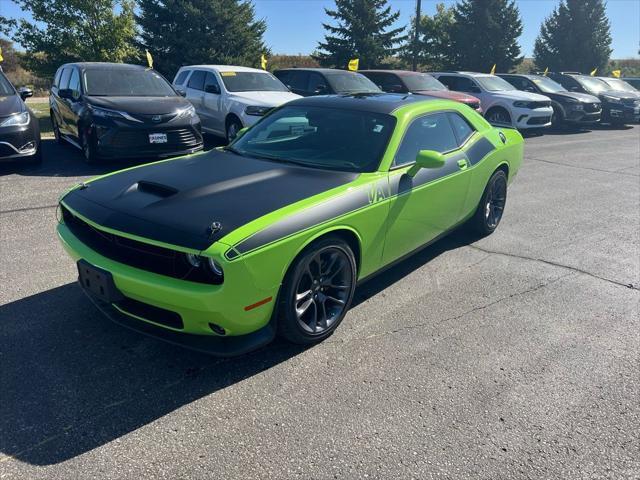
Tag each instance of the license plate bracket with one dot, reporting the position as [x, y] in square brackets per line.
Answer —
[157, 138]
[98, 282]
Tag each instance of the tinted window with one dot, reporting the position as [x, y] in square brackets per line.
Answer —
[126, 82]
[251, 82]
[298, 80]
[315, 82]
[461, 128]
[283, 76]
[431, 132]
[5, 87]
[388, 82]
[351, 82]
[64, 78]
[56, 81]
[211, 79]
[74, 83]
[197, 80]
[321, 137]
[182, 76]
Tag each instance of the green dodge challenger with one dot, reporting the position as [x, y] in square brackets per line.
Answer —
[220, 251]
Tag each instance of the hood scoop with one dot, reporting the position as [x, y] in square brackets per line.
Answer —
[153, 188]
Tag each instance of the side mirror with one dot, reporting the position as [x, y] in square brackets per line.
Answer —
[65, 93]
[396, 88]
[574, 89]
[215, 89]
[25, 93]
[182, 92]
[427, 159]
[530, 89]
[475, 89]
[321, 90]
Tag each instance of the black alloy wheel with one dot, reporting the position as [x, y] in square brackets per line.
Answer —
[492, 204]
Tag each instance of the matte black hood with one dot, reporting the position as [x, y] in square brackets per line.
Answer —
[581, 97]
[140, 105]
[10, 104]
[618, 94]
[177, 201]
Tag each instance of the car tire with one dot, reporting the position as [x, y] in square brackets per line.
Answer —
[88, 145]
[557, 119]
[491, 207]
[498, 115]
[233, 127]
[317, 291]
[56, 129]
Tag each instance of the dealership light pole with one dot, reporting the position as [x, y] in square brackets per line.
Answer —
[415, 36]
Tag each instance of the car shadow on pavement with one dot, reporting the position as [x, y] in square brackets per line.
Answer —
[65, 160]
[72, 381]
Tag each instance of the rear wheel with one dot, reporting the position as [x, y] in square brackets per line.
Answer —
[317, 291]
[491, 207]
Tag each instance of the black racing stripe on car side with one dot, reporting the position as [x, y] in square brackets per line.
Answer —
[400, 184]
[323, 212]
[479, 150]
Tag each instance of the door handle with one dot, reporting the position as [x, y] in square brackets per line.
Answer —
[462, 163]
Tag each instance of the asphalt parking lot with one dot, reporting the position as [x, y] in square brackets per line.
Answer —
[514, 356]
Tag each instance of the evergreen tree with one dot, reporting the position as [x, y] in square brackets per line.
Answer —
[575, 37]
[75, 30]
[364, 31]
[434, 41]
[484, 33]
[188, 32]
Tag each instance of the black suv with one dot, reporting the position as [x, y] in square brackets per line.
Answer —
[568, 107]
[112, 110]
[324, 81]
[19, 129]
[617, 107]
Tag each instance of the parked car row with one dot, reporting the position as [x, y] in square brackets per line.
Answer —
[110, 110]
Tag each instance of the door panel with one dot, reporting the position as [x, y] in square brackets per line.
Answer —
[195, 89]
[211, 116]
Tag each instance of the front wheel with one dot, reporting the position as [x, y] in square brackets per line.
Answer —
[317, 291]
[499, 116]
[491, 207]
[88, 145]
[233, 127]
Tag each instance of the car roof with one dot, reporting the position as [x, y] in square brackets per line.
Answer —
[366, 102]
[396, 72]
[105, 65]
[465, 74]
[223, 68]
[314, 69]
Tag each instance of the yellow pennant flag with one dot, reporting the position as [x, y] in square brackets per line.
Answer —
[546, 70]
[353, 64]
[263, 61]
[616, 73]
[149, 59]
[493, 69]
[1, 58]
[594, 71]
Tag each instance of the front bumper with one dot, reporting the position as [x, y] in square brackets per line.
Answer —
[198, 306]
[621, 113]
[525, 118]
[590, 113]
[17, 143]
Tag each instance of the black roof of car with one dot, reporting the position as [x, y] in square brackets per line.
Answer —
[366, 102]
[105, 65]
[313, 69]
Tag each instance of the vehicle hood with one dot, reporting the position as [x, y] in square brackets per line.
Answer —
[10, 104]
[448, 94]
[519, 95]
[618, 94]
[581, 97]
[263, 99]
[140, 105]
[177, 201]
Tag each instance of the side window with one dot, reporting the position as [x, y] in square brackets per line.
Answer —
[466, 85]
[461, 127]
[182, 76]
[56, 81]
[299, 80]
[515, 81]
[74, 84]
[431, 132]
[283, 76]
[64, 78]
[391, 83]
[450, 82]
[315, 82]
[211, 81]
[197, 80]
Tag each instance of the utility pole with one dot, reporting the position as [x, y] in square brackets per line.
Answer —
[415, 36]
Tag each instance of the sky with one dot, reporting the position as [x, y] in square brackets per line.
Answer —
[295, 26]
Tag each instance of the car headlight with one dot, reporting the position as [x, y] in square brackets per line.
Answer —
[188, 112]
[19, 120]
[257, 110]
[206, 266]
[113, 114]
[520, 104]
[609, 99]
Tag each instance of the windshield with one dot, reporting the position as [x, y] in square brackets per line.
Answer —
[591, 84]
[422, 81]
[252, 82]
[620, 85]
[345, 82]
[5, 87]
[547, 85]
[126, 82]
[494, 84]
[331, 138]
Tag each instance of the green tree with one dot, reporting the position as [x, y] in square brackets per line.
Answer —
[364, 31]
[576, 36]
[6, 25]
[434, 41]
[187, 32]
[75, 30]
[484, 33]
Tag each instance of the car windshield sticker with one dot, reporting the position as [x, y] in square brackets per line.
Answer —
[378, 128]
[228, 74]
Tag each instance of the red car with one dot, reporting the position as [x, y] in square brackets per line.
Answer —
[404, 81]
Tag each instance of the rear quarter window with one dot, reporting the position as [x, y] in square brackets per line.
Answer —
[196, 81]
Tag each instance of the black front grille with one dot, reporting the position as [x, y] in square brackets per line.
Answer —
[591, 107]
[542, 104]
[181, 137]
[151, 313]
[538, 120]
[134, 253]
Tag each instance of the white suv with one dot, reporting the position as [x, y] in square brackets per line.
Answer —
[501, 102]
[228, 98]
